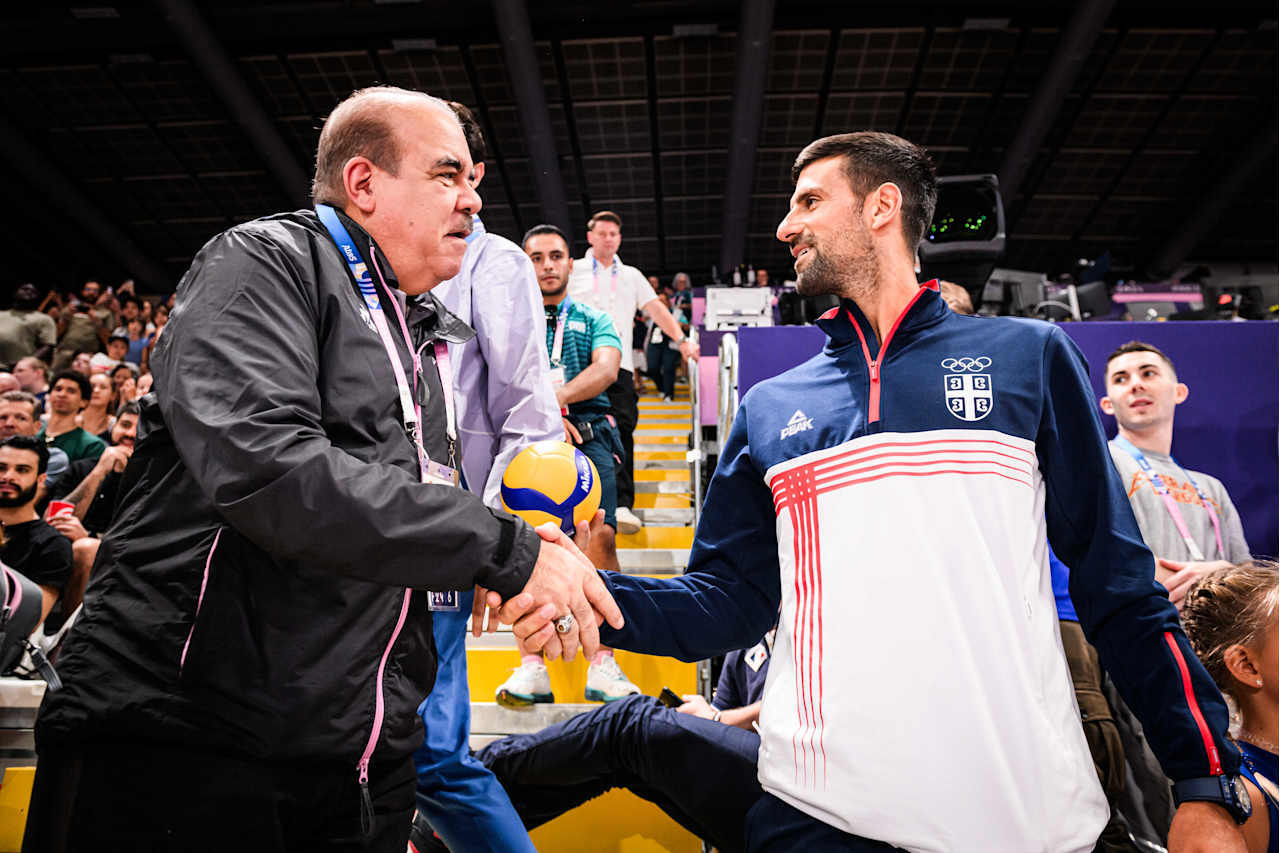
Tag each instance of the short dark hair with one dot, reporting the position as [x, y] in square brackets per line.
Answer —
[118, 337]
[471, 130]
[543, 229]
[129, 297]
[872, 158]
[35, 445]
[128, 407]
[82, 382]
[604, 216]
[1140, 346]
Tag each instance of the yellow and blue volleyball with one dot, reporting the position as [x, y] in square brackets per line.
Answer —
[551, 481]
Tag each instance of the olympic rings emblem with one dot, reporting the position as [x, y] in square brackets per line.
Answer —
[966, 364]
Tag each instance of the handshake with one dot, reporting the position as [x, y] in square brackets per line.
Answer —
[563, 603]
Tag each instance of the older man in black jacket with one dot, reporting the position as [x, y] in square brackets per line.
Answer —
[258, 634]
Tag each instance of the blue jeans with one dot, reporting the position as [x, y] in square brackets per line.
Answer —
[701, 773]
[461, 799]
[662, 361]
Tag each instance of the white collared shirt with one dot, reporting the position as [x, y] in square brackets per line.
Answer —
[594, 284]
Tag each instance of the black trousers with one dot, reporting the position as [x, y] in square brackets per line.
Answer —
[626, 411]
[701, 773]
[145, 797]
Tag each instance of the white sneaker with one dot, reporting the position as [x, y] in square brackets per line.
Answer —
[627, 520]
[529, 684]
[606, 682]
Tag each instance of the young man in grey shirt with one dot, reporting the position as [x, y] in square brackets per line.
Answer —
[1186, 517]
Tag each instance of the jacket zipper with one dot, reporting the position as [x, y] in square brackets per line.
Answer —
[873, 365]
[204, 582]
[362, 766]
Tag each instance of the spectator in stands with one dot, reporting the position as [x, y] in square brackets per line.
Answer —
[124, 383]
[602, 281]
[584, 354]
[80, 326]
[9, 382]
[956, 297]
[82, 363]
[96, 418]
[20, 415]
[92, 485]
[67, 398]
[117, 349]
[1186, 517]
[662, 354]
[1230, 617]
[762, 277]
[139, 340]
[33, 376]
[504, 398]
[24, 329]
[31, 546]
[683, 297]
[130, 309]
[697, 762]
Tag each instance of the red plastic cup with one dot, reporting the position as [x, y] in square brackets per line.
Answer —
[57, 508]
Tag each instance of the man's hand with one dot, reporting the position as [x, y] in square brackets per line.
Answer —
[1204, 828]
[114, 458]
[571, 433]
[689, 350]
[562, 577]
[697, 706]
[1185, 575]
[479, 608]
[69, 526]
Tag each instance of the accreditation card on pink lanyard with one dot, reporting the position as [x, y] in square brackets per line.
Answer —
[411, 414]
[1171, 505]
[613, 283]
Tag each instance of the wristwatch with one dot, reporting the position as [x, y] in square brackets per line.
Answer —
[1227, 791]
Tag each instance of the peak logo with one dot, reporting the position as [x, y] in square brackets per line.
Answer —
[798, 423]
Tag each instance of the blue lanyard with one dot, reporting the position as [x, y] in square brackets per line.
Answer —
[1158, 484]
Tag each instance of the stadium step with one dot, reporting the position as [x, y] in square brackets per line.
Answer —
[665, 516]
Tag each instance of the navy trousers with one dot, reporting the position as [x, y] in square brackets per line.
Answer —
[701, 773]
[774, 826]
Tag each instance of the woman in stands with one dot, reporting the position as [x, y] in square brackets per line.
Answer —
[1230, 618]
[96, 417]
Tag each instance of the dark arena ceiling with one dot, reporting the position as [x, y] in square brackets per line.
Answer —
[126, 151]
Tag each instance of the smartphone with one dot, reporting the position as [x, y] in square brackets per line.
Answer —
[669, 698]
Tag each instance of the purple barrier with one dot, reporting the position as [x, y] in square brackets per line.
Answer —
[1226, 427]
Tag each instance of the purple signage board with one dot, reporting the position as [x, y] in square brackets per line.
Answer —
[1227, 427]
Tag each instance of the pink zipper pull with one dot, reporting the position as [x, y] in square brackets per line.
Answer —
[875, 370]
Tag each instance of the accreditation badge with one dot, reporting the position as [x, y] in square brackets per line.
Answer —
[443, 602]
[441, 475]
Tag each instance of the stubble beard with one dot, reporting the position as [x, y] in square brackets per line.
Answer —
[851, 274]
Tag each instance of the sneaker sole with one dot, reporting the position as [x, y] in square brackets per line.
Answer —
[599, 696]
[627, 529]
[521, 701]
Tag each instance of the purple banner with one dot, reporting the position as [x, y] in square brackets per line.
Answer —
[1226, 427]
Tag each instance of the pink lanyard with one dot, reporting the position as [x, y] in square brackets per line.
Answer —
[409, 400]
[1171, 505]
[613, 281]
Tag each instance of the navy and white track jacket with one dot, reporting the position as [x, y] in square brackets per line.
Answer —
[889, 505]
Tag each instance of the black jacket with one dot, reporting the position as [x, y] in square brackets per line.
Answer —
[271, 518]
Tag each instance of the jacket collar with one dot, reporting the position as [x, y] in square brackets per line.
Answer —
[424, 310]
[925, 309]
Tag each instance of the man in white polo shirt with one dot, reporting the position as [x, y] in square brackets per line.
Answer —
[602, 281]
